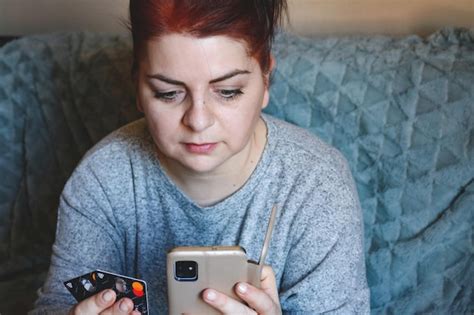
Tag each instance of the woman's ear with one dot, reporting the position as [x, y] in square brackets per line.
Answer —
[266, 79]
[137, 98]
[271, 66]
[135, 78]
[139, 105]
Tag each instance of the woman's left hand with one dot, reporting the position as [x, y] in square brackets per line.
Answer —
[260, 301]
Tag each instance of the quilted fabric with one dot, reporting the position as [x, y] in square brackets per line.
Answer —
[401, 111]
[59, 95]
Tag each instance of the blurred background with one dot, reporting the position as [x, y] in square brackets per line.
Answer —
[308, 17]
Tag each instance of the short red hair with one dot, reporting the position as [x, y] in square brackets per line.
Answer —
[252, 21]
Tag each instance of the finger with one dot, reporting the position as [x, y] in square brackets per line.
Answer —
[225, 304]
[257, 299]
[95, 304]
[121, 307]
[268, 283]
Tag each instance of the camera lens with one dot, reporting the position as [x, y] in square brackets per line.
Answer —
[186, 270]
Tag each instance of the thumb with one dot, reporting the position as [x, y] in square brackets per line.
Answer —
[95, 304]
[268, 283]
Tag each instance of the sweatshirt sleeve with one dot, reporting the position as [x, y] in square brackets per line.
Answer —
[325, 269]
[87, 238]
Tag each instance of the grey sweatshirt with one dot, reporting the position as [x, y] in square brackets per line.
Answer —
[120, 212]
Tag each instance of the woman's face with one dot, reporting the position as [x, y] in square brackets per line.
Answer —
[202, 99]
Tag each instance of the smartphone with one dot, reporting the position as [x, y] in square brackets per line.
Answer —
[190, 270]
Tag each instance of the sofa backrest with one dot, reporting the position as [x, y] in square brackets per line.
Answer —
[400, 110]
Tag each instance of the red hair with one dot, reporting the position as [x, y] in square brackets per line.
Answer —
[252, 21]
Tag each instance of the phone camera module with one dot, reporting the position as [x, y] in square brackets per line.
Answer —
[186, 270]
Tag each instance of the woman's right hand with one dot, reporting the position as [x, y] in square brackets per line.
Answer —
[103, 303]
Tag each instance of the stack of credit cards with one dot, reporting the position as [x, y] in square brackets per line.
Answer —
[96, 281]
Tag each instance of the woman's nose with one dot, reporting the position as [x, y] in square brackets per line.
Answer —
[198, 115]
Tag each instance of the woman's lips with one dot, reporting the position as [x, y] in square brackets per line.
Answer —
[202, 148]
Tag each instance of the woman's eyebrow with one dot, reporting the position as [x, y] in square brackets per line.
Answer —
[164, 79]
[229, 75]
[176, 82]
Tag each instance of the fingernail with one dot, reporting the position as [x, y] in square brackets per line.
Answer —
[242, 287]
[211, 295]
[107, 296]
[124, 306]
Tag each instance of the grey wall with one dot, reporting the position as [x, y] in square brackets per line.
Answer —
[309, 17]
[19, 17]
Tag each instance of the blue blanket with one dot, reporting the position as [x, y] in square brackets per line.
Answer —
[400, 110]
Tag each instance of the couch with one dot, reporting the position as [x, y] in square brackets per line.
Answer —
[401, 110]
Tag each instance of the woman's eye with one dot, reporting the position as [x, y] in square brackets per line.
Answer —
[230, 94]
[170, 96]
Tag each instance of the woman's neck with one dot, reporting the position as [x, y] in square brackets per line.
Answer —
[210, 188]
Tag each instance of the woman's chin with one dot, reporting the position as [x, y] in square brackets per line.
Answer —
[201, 165]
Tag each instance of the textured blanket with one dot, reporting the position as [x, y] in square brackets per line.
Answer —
[400, 110]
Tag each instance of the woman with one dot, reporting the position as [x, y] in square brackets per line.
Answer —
[204, 168]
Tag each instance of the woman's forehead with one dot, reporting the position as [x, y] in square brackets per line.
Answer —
[176, 44]
[179, 53]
